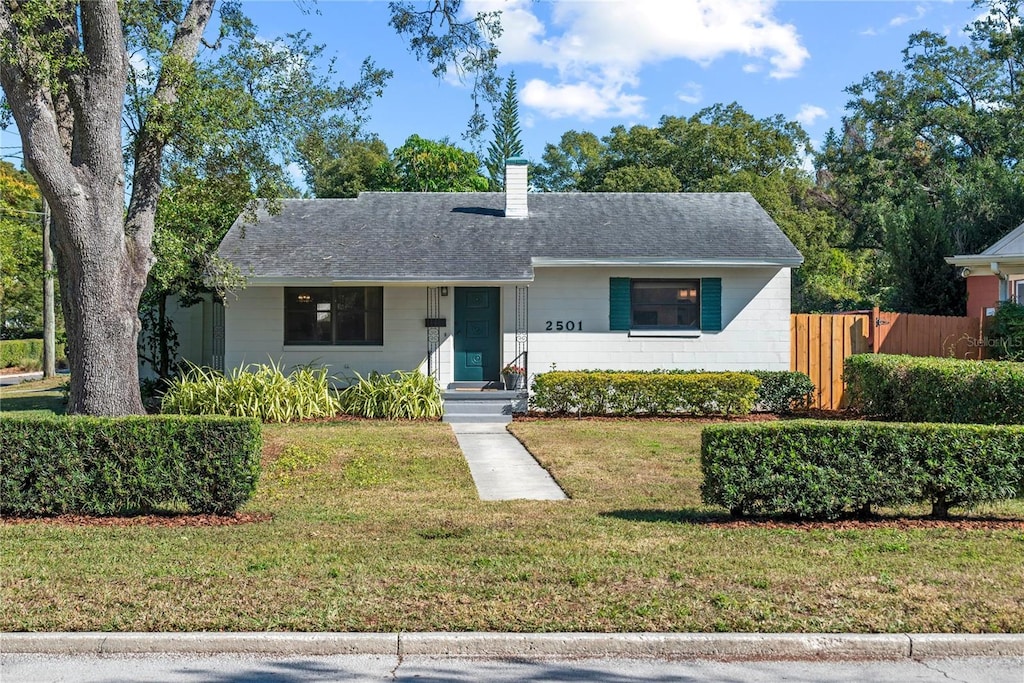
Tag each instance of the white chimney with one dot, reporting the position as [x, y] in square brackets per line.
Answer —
[515, 188]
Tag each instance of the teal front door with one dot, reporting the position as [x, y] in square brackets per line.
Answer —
[477, 334]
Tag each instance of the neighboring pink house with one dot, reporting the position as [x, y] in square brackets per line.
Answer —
[994, 275]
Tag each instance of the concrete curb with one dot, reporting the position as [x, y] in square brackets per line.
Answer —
[735, 646]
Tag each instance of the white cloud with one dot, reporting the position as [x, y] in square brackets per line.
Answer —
[583, 100]
[809, 114]
[598, 48]
[901, 19]
[692, 93]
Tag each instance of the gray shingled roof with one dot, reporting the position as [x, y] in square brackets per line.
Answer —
[465, 236]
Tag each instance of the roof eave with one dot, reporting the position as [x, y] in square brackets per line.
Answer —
[781, 262]
[261, 281]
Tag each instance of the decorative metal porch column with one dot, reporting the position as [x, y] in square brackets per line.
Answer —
[523, 329]
[434, 326]
[217, 352]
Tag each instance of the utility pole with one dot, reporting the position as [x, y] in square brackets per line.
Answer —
[49, 326]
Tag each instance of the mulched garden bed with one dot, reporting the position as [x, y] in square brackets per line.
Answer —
[536, 416]
[898, 523]
[152, 520]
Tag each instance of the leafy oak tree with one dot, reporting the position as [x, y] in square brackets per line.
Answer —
[345, 165]
[928, 161]
[422, 165]
[565, 167]
[65, 72]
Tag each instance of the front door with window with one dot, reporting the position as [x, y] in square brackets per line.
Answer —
[477, 334]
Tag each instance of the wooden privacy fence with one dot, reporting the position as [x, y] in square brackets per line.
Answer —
[819, 343]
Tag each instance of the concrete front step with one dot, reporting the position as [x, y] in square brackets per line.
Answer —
[477, 418]
[481, 402]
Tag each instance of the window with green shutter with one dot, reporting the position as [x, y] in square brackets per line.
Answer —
[711, 304]
[618, 303]
[683, 304]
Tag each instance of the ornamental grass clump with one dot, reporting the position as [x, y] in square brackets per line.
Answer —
[260, 391]
[394, 396]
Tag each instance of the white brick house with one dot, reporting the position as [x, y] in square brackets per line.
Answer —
[461, 284]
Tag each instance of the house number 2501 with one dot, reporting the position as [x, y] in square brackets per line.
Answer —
[564, 325]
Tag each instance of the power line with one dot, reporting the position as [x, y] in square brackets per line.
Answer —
[7, 209]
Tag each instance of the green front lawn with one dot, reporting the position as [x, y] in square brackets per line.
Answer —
[376, 527]
[39, 397]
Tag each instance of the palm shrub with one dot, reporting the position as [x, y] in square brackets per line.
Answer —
[393, 396]
[260, 391]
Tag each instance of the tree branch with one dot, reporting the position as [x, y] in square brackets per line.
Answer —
[154, 133]
[32, 102]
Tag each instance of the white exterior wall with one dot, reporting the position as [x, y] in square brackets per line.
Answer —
[254, 333]
[194, 325]
[755, 334]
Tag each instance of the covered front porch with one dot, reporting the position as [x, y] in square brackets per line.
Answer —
[453, 332]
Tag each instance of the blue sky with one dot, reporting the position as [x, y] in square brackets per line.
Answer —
[593, 64]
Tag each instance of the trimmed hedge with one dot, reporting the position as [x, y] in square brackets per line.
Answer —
[638, 393]
[823, 469]
[782, 391]
[14, 352]
[779, 391]
[110, 466]
[912, 389]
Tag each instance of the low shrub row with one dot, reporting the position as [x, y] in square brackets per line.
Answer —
[637, 393]
[597, 392]
[823, 469]
[26, 353]
[911, 389]
[109, 466]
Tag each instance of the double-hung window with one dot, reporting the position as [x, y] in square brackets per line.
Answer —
[334, 316]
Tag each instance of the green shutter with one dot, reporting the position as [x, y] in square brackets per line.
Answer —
[711, 304]
[618, 303]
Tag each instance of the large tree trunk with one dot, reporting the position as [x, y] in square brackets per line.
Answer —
[71, 133]
[100, 283]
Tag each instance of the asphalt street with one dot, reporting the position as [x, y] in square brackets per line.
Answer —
[27, 668]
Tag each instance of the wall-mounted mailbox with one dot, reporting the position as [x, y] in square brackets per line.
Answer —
[436, 322]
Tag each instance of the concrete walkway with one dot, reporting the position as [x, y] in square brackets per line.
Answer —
[502, 469]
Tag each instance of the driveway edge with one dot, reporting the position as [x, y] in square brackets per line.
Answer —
[793, 646]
